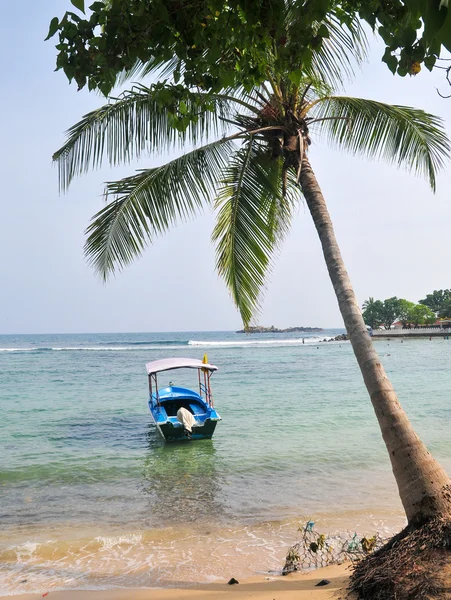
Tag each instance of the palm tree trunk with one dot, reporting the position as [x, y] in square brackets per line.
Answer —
[424, 486]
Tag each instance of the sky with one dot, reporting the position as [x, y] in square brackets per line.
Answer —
[392, 230]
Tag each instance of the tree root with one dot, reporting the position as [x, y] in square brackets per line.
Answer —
[413, 565]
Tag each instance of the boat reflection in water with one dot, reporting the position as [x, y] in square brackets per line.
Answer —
[182, 482]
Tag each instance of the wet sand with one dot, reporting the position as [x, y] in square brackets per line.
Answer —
[296, 586]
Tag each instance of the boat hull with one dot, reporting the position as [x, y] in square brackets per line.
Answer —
[173, 433]
[165, 407]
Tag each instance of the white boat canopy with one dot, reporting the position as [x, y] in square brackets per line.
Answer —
[166, 364]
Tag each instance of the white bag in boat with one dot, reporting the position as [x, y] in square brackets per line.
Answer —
[186, 419]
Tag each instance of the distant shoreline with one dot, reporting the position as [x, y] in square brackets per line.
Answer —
[409, 333]
[260, 329]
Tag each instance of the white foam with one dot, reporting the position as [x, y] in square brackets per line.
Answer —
[90, 348]
[107, 348]
[111, 542]
[271, 342]
[202, 343]
[17, 349]
[27, 549]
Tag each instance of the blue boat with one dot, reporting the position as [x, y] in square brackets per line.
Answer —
[180, 413]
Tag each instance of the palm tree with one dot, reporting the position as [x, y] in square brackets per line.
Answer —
[253, 172]
[368, 303]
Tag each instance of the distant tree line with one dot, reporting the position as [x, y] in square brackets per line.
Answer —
[377, 313]
[440, 302]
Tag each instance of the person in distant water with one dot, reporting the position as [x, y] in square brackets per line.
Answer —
[185, 417]
[303, 341]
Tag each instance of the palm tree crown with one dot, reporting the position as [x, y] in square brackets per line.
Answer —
[249, 171]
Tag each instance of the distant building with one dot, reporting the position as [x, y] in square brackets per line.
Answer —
[439, 324]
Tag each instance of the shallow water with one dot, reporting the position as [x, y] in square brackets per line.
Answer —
[91, 497]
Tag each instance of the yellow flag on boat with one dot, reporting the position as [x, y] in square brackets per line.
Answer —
[205, 361]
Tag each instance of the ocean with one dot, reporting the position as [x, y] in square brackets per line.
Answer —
[91, 497]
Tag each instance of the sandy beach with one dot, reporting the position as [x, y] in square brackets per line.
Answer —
[296, 586]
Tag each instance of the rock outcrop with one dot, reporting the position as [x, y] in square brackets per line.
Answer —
[272, 329]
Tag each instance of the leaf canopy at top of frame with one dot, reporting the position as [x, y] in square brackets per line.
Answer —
[221, 44]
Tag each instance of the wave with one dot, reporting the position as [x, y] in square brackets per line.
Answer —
[141, 558]
[25, 349]
[150, 343]
[271, 342]
[173, 345]
[179, 556]
[149, 346]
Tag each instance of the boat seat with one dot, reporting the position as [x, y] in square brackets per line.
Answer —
[196, 409]
[173, 406]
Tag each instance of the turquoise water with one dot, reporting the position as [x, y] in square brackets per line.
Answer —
[86, 480]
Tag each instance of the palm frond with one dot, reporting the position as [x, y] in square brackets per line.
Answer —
[149, 203]
[136, 122]
[406, 136]
[334, 61]
[156, 66]
[345, 48]
[310, 89]
[252, 220]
